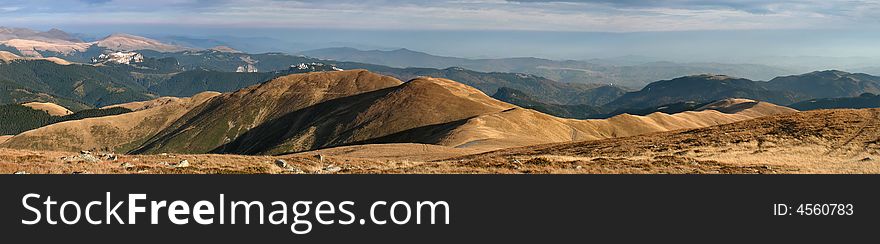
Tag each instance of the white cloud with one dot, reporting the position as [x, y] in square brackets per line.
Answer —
[9, 9]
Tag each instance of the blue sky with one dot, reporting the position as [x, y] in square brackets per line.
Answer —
[558, 15]
[569, 29]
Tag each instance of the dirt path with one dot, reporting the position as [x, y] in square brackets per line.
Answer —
[873, 121]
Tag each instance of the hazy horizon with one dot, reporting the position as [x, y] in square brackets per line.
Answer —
[682, 31]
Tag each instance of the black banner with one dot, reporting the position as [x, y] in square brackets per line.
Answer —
[481, 208]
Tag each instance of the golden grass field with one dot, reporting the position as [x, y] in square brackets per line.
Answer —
[824, 141]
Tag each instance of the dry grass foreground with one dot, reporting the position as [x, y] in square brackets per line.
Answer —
[824, 141]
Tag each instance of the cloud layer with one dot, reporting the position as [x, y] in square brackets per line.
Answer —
[553, 15]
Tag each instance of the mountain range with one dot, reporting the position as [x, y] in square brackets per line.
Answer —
[595, 71]
[171, 70]
[302, 112]
[186, 73]
[57, 43]
[781, 90]
[162, 75]
[822, 89]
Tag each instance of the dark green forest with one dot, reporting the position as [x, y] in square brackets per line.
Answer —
[18, 118]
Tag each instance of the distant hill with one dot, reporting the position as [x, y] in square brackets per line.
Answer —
[827, 84]
[225, 61]
[542, 89]
[545, 90]
[72, 86]
[594, 71]
[188, 83]
[524, 100]
[79, 86]
[50, 108]
[399, 58]
[191, 72]
[8, 57]
[866, 100]
[701, 89]
[671, 108]
[781, 90]
[56, 43]
[7, 33]
[127, 42]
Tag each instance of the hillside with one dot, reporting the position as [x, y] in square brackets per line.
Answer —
[701, 89]
[225, 61]
[59, 44]
[50, 108]
[119, 133]
[824, 141]
[45, 48]
[251, 122]
[543, 89]
[310, 111]
[188, 83]
[126, 42]
[866, 100]
[522, 127]
[206, 70]
[7, 33]
[519, 98]
[827, 84]
[327, 109]
[73, 86]
[8, 57]
[20, 118]
[80, 86]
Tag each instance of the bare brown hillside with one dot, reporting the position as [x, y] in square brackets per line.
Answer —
[51, 108]
[522, 127]
[119, 133]
[824, 141]
[289, 109]
[318, 110]
[7, 57]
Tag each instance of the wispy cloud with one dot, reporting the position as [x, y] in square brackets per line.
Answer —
[9, 9]
[557, 15]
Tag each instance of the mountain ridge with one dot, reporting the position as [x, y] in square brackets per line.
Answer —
[594, 71]
[303, 112]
